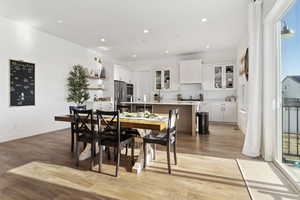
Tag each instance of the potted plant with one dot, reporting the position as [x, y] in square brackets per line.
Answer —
[77, 85]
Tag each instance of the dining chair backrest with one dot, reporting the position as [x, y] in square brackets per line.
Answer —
[109, 124]
[84, 121]
[72, 108]
[173, 117]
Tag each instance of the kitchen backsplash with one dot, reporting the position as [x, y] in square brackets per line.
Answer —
[194, 90]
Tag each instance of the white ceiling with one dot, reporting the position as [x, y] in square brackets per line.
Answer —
[174, 25]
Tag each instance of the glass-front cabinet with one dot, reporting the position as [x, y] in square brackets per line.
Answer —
[162, 79]
[223, 77]
[158, 79]
[167, 78]
[229, 77]
[218, 77]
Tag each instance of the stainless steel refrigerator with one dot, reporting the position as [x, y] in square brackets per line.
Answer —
[120, 93]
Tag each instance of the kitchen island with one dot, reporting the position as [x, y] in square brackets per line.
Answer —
[187, 113]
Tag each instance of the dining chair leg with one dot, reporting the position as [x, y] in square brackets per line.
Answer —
[118, 161]
[175, 153]
[126, 152]
[115, 155]
[72, 138]
[132, 153]
[92, 155]
[154, 151]
[100, 158]
[108, 153]
[168, 156]
[145, 154]
[77, 153]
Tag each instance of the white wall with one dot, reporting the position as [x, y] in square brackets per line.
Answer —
[172, 62]
[53, 58]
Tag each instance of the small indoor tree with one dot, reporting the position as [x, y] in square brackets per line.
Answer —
[77, 84]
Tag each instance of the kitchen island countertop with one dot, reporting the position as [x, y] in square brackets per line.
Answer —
[184, 103]
[187, 112]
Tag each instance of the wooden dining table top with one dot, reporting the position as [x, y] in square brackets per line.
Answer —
[127, 122]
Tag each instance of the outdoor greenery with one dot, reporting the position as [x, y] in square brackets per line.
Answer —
[77, 84]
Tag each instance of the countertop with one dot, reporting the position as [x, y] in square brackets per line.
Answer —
[182, 103]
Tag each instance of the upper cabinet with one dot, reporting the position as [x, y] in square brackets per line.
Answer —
[218, 76]
[122, 74]
[229, 77]
[190, 71]
[162, 78]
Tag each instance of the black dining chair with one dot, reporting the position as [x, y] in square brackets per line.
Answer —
[71, 109]
[110, 136]
[85, 131]
[129, 131]
[167, 138]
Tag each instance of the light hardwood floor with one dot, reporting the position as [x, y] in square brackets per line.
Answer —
[224, 143]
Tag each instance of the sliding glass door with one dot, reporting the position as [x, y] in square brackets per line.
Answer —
[289, 87]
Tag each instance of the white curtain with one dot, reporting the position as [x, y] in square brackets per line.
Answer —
[253, 139]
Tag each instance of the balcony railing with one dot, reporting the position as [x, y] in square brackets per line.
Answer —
[291, 131]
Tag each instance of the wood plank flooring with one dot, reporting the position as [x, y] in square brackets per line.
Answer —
[54, 149]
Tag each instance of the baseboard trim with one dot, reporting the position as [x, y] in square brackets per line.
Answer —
[223, 123]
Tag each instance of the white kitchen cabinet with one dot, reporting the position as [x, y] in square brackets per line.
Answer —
[220, 111]
[207, 78]
[162, 79]
[224, 112]
[217, 112]
[142, 81]
[190, 71]
[230, 112]
[218, 77]
[122, 74]
[116, 73]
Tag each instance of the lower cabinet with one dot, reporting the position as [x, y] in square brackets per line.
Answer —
[220, 111]
[230, 112]
[217, 112]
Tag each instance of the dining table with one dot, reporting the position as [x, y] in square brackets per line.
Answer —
[144, 125]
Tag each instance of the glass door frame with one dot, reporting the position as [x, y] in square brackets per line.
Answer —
[272, 113]
[278, 141]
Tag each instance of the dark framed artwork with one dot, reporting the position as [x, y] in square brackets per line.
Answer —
[22, 83]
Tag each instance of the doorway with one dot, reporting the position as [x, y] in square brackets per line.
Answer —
[288, 151]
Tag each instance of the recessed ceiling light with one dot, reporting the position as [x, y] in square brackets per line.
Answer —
[102, 39]
[103, 48]
[208, 46]
[166, 51]
[134, 55]
[204, 20]
[146, 31]
[59, 21]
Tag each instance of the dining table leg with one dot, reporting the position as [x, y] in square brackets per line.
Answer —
[139, 164]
